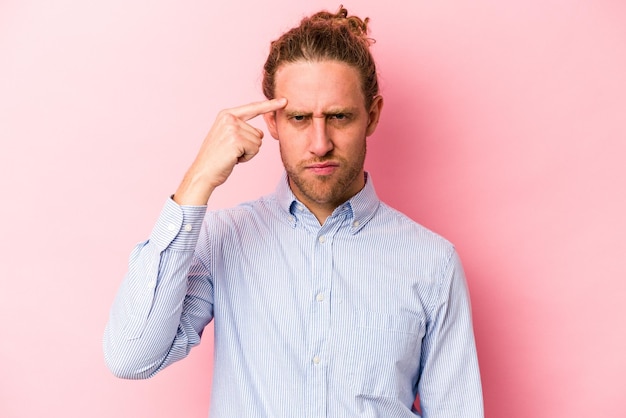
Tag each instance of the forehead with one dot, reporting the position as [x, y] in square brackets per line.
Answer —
[318, 85]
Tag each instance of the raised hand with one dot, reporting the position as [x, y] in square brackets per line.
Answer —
[230, 141]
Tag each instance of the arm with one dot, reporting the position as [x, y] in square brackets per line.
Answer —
[151, 324]
[450, 380]
[165, 300]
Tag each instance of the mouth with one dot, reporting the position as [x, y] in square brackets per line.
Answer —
[322, 169]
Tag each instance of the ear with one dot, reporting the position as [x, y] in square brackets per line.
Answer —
[270, 121]
[374, 115]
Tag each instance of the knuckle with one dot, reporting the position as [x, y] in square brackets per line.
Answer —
[226, 116]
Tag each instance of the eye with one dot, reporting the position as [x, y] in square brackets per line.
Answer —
[339, 118]
[298, 118]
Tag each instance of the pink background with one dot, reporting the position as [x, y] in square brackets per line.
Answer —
[504, 130]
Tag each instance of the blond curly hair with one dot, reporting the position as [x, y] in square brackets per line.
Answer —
[325, 36]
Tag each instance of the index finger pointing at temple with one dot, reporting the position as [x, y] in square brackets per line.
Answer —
[249, 111]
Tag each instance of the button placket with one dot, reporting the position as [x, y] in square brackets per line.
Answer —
[321, 278]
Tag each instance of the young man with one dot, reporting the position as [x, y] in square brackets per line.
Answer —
[327, 302]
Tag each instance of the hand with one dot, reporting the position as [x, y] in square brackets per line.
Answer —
[230, 141]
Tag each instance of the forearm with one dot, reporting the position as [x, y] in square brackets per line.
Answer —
[148, 327]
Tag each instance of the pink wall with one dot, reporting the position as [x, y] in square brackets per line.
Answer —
[504, 130]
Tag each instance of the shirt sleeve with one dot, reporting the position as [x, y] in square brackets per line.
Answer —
[450, 383]
[160, 311]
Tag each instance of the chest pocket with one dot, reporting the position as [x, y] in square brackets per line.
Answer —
[385, 354]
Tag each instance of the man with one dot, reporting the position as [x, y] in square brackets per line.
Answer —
[327, 303]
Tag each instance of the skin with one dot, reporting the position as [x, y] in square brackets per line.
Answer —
[321, 123]
[322, 132]
[230, 141]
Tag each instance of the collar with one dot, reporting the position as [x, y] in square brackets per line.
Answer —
[361, 207]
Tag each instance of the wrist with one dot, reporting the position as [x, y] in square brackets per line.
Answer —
[193, 192]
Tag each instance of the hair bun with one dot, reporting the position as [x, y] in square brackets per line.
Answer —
[356, 25]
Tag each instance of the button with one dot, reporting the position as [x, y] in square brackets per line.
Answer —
[319, 297]
[171, 227]
[188, 227]
[152, 284]
[292, 219]
[316, 360]
[322, 239]
[355, 224]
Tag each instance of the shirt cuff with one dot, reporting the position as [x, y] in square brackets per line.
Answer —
[178, 227]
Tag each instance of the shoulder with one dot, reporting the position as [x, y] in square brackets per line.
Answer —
[263, 210]
[412, 244]
[400, 224]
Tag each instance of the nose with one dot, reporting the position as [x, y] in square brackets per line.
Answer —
[320, 142]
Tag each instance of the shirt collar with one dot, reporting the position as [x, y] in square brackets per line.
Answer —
[362, 206]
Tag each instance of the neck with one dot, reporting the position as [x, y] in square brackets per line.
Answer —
[323, 205]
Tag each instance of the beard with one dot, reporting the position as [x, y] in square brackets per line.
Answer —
[333, 189]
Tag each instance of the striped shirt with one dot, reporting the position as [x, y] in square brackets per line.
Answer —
[352, 318]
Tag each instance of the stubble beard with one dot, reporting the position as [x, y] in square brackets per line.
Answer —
[325, 190]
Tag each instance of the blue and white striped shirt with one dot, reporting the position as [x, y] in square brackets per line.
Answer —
[352, 318]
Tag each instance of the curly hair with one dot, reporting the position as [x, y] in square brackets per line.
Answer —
[325, 36]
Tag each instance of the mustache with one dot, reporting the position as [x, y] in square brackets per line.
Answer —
[322, 160]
